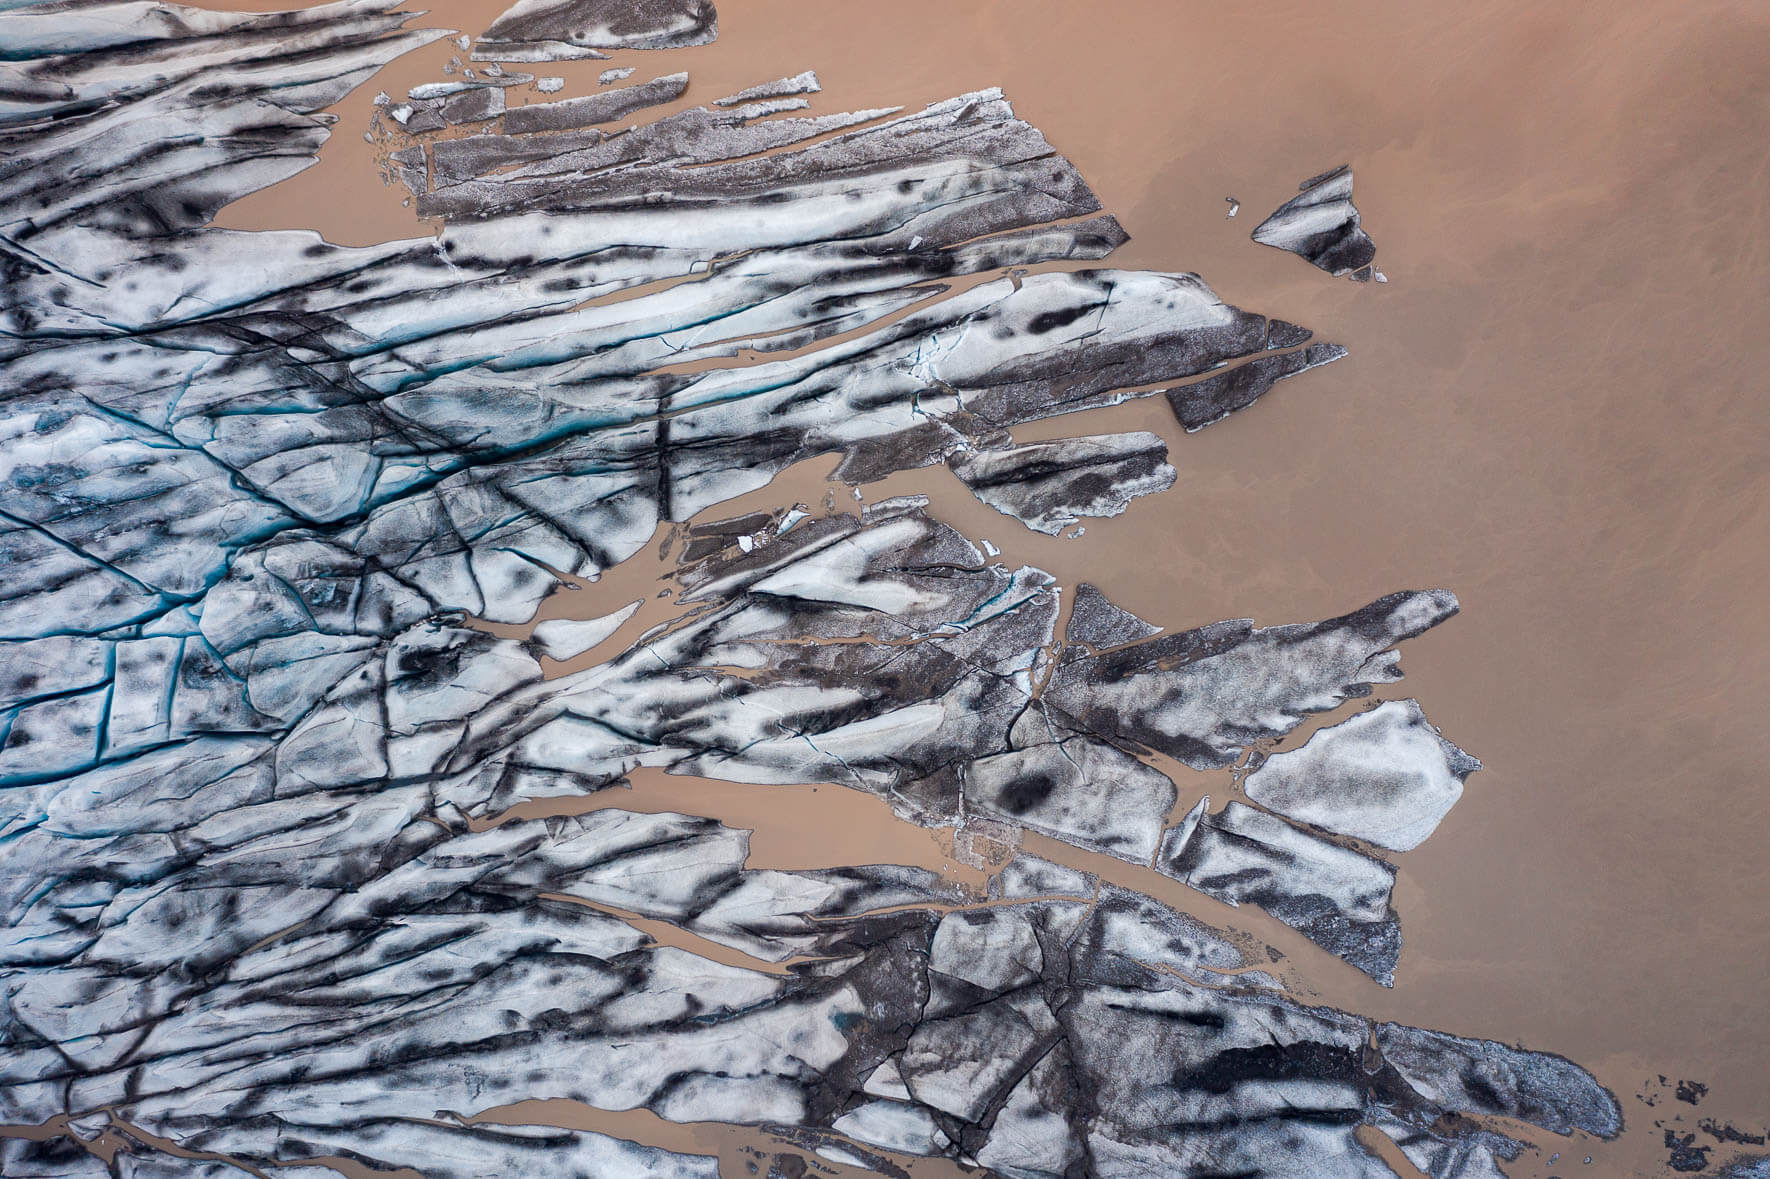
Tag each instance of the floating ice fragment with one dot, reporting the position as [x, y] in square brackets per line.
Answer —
[1321, 225]
[1385, 776]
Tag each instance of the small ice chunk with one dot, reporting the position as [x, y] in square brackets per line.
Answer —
[887, 1081]
[609, 77]
[567, 638]
[426, 118]
[836, 1154]
[893, 1125]
[549, 85]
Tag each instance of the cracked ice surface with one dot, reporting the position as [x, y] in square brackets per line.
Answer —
[996, 1032]
[253, 754]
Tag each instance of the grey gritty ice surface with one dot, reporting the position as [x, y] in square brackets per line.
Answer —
[1096, 622]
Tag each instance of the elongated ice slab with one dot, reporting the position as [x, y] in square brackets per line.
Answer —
[1201, 403]
[560, 30]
